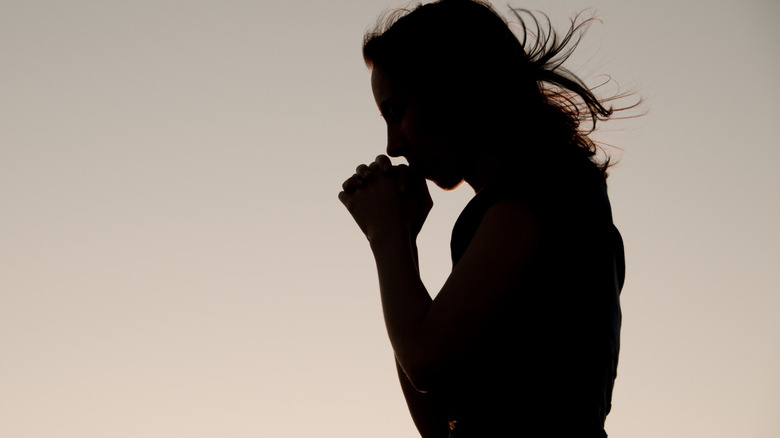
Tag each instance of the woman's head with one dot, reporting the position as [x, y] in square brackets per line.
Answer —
[417, 131]
[457, 52]
[503, 95]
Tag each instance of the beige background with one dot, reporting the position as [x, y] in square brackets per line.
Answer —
[174, 261]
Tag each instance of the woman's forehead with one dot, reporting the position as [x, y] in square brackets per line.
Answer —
[384, 85]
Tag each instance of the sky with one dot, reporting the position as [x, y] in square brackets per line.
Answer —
[174, 260]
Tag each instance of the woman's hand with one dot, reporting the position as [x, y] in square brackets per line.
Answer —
[384, 199]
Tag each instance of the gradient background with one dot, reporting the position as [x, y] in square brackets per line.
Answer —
[174, 261]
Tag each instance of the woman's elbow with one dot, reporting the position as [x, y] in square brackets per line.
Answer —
[422, 374]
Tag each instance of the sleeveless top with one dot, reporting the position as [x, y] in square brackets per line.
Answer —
[546, 364]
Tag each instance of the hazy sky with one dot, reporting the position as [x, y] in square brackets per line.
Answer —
[174, 261]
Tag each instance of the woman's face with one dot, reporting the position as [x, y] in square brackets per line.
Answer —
[417, 130]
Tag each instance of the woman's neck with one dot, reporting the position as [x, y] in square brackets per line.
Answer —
[483, 171]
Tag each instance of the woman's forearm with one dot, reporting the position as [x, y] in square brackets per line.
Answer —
[405, 301]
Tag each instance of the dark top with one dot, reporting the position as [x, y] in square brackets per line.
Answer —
[547, 363]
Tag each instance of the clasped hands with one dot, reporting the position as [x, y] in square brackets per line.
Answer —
[386, 200]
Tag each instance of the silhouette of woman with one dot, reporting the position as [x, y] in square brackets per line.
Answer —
[523, 338]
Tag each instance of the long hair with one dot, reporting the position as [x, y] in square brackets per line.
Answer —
[464, 53]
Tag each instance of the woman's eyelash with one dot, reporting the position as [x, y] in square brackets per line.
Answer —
[390, 111]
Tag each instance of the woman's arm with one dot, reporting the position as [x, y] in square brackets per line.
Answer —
[427, 334]
[427, 412]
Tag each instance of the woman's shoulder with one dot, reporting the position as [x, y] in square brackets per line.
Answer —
[563, 203]
[490, 197]
[559, 193]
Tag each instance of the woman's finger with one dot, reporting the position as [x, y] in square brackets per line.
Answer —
[364, 172]
[352, 183]
[383, 163]
[343, 197]
[403, 178]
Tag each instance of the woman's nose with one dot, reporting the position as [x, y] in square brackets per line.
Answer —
[396, 143]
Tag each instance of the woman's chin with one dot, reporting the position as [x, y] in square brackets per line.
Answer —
[443, 179]
[445, 183]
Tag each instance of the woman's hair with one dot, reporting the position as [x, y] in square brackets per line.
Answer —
[464, 54]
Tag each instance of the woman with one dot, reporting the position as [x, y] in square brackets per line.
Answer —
[523, 338]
